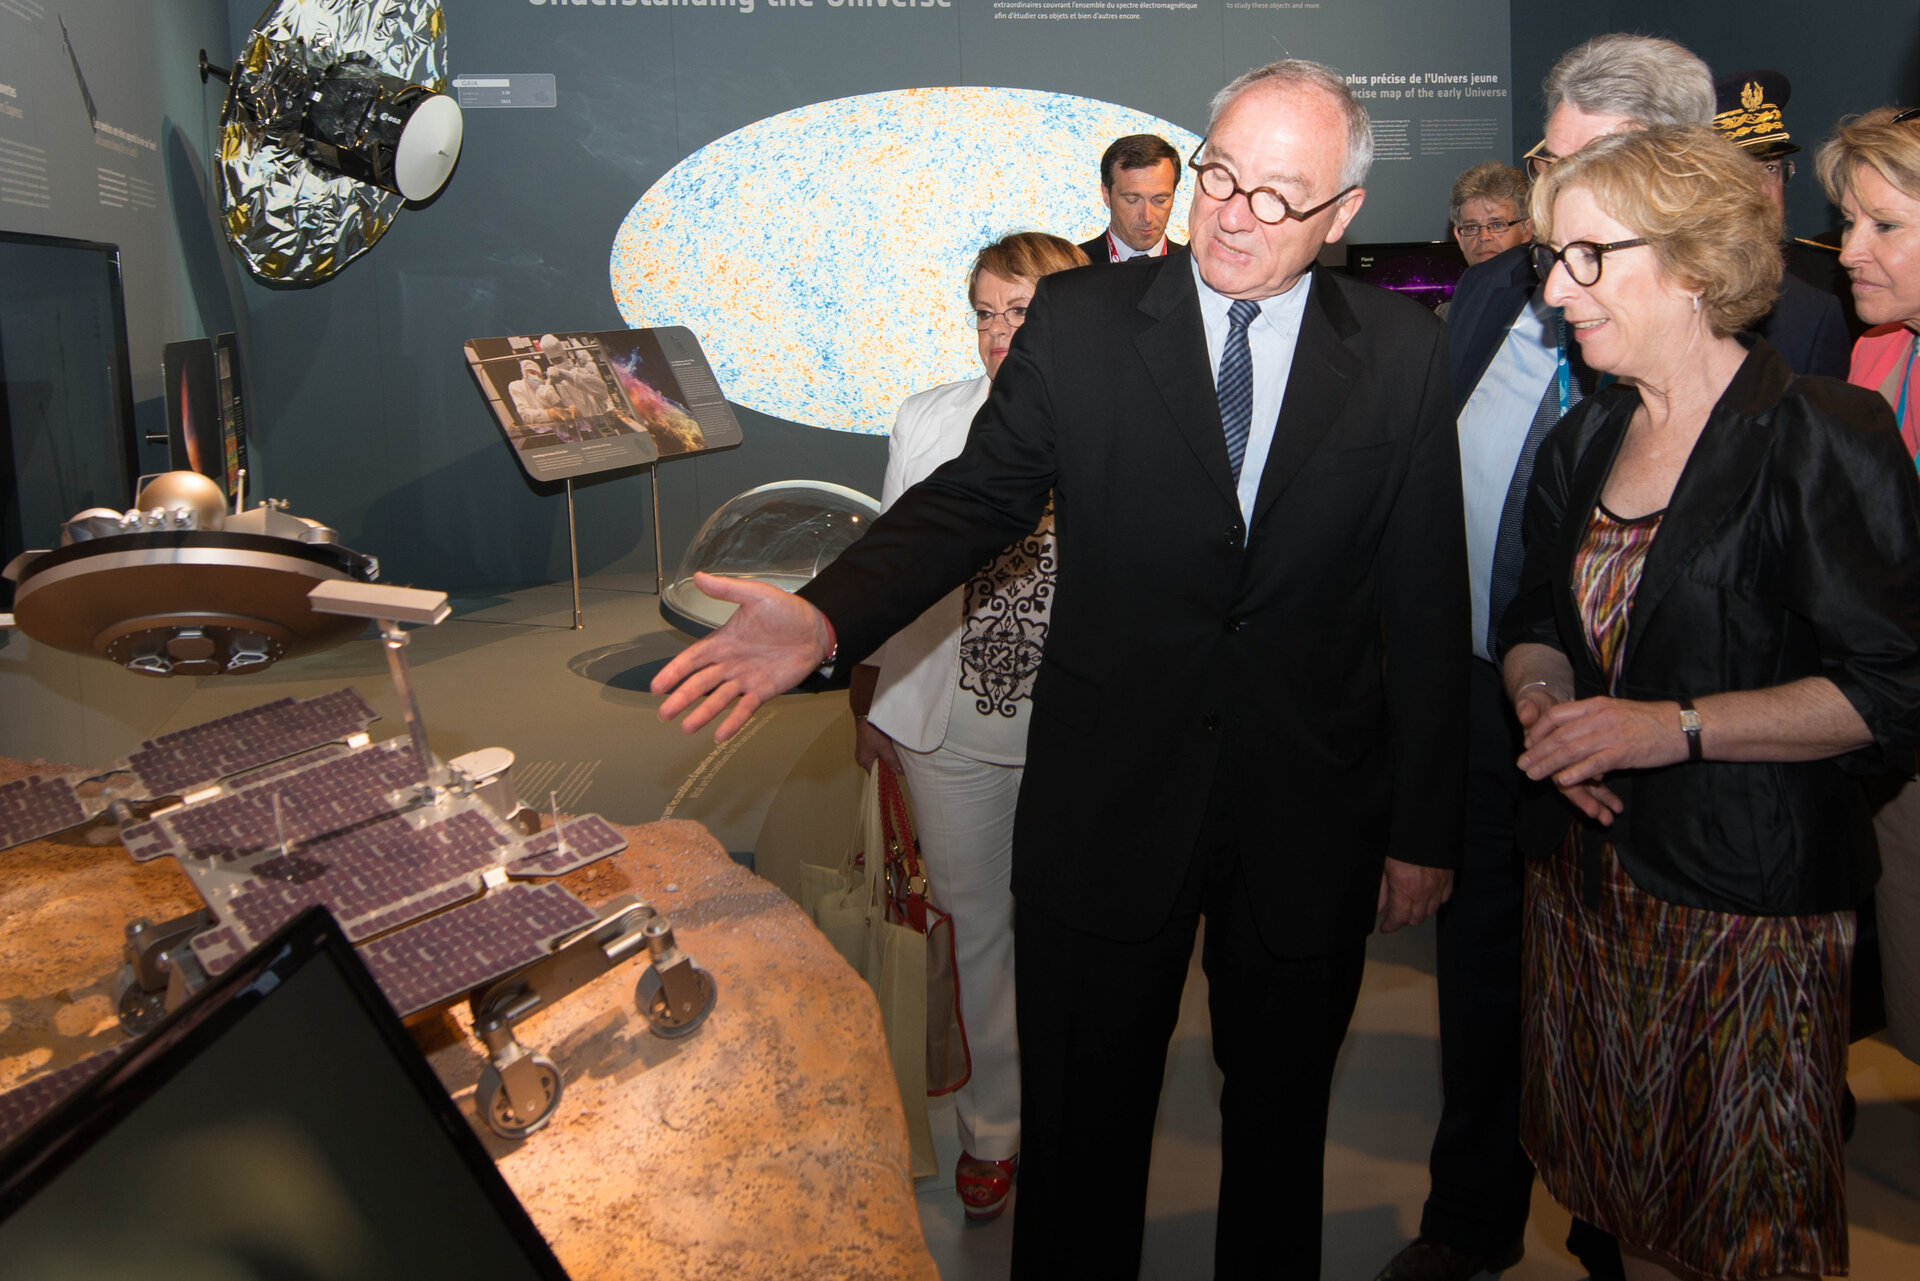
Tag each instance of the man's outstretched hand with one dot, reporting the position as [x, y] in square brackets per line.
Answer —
[773, 642]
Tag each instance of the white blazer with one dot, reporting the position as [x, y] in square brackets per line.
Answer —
[920, 665]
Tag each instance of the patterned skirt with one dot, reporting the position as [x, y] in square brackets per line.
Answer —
[1683, 1073]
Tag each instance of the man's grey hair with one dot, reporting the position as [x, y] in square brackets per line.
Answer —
[1648, 80]
[1491, 181]
[1299, 71]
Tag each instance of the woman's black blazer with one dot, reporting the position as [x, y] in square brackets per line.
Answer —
[1790, 548]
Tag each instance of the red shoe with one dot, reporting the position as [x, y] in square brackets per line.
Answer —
[984, 1195]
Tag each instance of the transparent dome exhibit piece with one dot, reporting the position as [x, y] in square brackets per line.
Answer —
[783, 533]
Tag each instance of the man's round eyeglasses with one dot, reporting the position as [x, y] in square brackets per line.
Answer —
[981, 318]
[1269, 206]
[1497, 227]
[1582, 259]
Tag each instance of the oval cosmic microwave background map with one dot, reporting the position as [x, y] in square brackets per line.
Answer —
[821, 255]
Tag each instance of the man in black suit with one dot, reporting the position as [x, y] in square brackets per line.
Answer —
[1138, 176]
[1251, 700]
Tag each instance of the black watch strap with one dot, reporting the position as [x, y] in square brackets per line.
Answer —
[1690, 726]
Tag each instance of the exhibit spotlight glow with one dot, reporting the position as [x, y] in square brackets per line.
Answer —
[821, 254]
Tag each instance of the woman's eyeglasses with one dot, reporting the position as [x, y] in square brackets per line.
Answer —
[1582, 258]
[981, 318]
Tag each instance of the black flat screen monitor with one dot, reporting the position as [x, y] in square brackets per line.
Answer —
[280, 1124]
[66, 392]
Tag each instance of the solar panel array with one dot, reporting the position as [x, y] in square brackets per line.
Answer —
[372, 878]
[298, 823]
[451, 954]
[21, 1107]
[589, 837]
[336, 794]
[185, 759]
[36, 806]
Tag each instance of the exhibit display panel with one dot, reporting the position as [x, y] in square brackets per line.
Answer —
[782, 534]
[572, 404]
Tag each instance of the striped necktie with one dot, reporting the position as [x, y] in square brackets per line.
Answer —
[1235, 384]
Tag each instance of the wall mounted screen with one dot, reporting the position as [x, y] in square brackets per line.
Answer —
[66, 402]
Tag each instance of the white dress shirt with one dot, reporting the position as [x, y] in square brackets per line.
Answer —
[1119, 250]
[1493, 428]
[1271, 339]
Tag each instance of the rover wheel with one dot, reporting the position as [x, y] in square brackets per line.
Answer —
[661, 1017]
[497, 1110]
[136, 1008]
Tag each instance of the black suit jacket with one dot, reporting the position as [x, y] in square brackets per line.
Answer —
[1314, 665]
[1790, 548]
[1098, 255]
[1809, 328]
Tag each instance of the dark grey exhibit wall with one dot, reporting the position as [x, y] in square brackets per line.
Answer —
[363, 413]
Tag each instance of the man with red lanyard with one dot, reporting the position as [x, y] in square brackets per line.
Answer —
[1138, 176]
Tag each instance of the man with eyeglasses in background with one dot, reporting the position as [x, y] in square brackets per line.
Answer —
[1488, 210]
[1749, 114]
[1138, 177]
[1515, 374]
[1251, 703]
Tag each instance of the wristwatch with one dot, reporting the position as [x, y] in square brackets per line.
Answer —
[1690, 726]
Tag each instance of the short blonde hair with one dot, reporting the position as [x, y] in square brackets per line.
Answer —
[1873, 139]
[1696, 199]
[1025, 255]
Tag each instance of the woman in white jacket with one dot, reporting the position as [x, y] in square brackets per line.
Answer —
[949, 712]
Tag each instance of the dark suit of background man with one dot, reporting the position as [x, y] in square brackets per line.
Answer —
[1508, 390]
[1138, 176]
[1252, 698]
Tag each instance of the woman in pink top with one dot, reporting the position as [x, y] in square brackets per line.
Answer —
[1871, 169]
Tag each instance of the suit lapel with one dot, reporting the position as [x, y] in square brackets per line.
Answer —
[1317, 389]
[1174, 351]
[1731, 448]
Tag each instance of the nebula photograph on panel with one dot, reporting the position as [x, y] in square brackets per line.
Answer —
[652, 391]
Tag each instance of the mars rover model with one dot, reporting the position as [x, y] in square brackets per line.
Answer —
[440, 878]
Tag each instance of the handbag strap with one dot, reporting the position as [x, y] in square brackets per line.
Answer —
[906, 879]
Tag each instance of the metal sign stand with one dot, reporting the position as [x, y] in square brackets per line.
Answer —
[573, 553]
[659, 576]
[573, 543]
